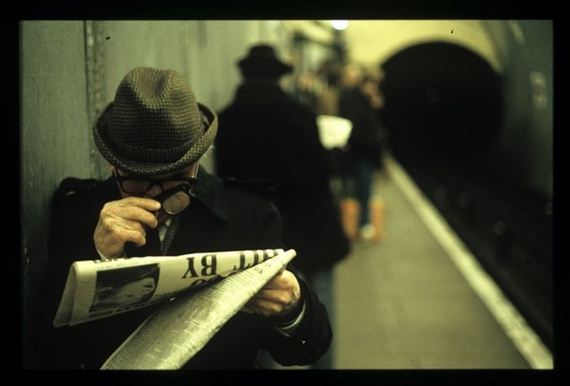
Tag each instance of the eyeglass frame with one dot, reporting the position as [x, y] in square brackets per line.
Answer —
[185, 186]
[152, 182]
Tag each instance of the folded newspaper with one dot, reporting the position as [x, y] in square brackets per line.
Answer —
[334, 131]
[184, 324]
[171, 336]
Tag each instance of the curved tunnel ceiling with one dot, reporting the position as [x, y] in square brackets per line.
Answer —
[374, 41]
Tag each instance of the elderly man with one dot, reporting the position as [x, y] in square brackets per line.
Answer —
[159, 201]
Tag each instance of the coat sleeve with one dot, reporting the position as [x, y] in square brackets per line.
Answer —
[313, 336]
[310, 341]
[70, 238]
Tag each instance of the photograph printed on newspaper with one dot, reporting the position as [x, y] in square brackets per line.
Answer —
[97, 289]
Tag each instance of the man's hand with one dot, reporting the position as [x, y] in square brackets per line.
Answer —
[122, 221]
[278, 298]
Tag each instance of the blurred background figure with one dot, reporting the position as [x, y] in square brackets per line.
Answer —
[266, 135]
[330, 71]
[360, 101]
[308, 87]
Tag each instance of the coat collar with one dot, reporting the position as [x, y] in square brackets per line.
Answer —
[211, 192]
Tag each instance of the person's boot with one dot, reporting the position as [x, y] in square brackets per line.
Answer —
[350, 216]
[377, 209]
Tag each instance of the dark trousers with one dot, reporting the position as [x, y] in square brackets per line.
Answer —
[358, 184]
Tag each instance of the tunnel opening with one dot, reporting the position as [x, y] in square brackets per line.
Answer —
[444, 107]
[441, 100]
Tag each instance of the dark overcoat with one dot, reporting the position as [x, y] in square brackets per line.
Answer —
[267, 135]
[220, 217]
[366, 137]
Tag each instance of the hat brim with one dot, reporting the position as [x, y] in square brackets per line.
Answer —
[147, 169]
[264, 66]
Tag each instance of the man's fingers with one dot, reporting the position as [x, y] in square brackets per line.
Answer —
[135, 237]
[141, 202]
[282, 280]
[264, 307]
[122, 234]
[115, 224]
[273, 295]
[139, 215]
[110, 239]
[121, 211]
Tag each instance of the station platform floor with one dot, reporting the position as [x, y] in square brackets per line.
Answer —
[406, 303]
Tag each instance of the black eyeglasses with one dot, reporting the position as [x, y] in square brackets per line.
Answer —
[175, 200]
[139, 186]
[175, 195]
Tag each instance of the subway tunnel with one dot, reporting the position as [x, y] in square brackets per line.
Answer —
[442, 101]
[463, 275]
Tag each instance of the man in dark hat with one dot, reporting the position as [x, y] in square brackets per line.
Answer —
[266, 135]
[262, 63]
[159, 201]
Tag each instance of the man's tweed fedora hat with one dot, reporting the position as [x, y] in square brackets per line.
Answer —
[155, 125]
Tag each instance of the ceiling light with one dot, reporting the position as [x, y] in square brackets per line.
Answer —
[339, 25]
